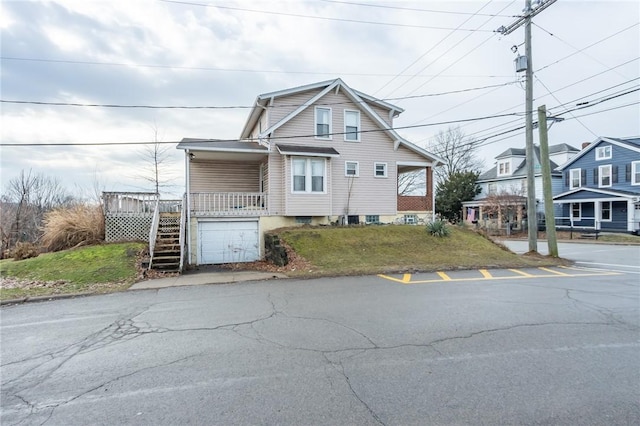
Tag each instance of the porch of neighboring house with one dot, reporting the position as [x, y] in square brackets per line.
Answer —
[497, 216]
[614, 215]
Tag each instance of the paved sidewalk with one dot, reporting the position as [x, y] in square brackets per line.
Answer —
[200, 278]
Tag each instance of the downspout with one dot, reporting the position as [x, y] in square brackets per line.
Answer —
[187, 158]
[433, 195]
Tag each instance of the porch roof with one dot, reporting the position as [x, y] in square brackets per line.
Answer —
[229, 150]
[584, 194]
[305, 150]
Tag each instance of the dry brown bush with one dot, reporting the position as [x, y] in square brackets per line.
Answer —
[24, 250]
[74, 226]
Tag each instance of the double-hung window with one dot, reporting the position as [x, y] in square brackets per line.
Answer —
[605, 211]
[323, 123]
[603, 152]
[504, 168]
[308, 175]
[604, 172]
[576, 211]
[635, 173]
[351, 125]
[380, 170]
[575, 178]
[351, 169]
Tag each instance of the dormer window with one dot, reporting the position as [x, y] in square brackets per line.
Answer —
[603, 152]
[504, 168]
[323, 123]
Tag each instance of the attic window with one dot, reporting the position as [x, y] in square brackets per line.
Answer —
[603, 152]
[504, 168]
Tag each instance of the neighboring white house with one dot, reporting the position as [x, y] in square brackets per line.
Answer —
[506, 183]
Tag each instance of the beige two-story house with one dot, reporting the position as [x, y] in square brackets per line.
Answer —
[323, 153]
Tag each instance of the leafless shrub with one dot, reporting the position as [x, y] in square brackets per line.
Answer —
[23, 251]
[70, 227]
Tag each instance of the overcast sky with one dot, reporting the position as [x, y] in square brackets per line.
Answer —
[440, 61]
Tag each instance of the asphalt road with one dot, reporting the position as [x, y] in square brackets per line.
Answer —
[535, 346]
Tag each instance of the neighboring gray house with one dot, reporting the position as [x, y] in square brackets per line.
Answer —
[321, 153]
[601, 186]
[506, 184]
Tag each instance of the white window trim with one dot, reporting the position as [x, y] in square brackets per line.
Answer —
[602, 149]
[507, 168]
[571, 172]
[308, 176]
[635, 169]
[576, 218]
[375, 170]
[358, 132]
[600, 176]
[357, 168]
[315, 123]
[610, 211]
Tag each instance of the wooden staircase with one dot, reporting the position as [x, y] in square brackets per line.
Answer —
[166, 255]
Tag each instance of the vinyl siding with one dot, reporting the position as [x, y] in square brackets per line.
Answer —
[283, 106]
[620, 156]
[370, 195]
[224, 176]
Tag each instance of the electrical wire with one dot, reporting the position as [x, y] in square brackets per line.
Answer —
[75, 104]
[322, 18]
[411, 9]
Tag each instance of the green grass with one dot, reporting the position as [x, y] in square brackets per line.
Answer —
[619, 238]
[100, 268]
[379, 249]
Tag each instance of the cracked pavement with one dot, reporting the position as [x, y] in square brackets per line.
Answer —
[351, 350]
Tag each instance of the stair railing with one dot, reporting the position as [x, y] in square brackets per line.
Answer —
[153, 232]
[183, 227]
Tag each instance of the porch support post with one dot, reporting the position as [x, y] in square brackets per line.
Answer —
[597, 208]
[631, 210]
[429, 175]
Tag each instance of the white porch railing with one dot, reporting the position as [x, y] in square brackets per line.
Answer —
[228, 203]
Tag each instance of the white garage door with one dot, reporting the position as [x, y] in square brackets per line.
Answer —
[228, 242]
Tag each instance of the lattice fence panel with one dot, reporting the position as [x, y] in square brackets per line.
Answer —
[127, 228]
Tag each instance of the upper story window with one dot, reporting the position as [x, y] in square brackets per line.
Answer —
[575, 178]
[380, 170]
[504, 168]
[635, 173]
[308, 175]
[351, 125]
[351, 169]
[323, 123]
[603, 152]
[604, 173]
[493, 188]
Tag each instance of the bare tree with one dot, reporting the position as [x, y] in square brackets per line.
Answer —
[503, 206]
[25, 201]
[412, 183]
[156, 157]
[460, 153]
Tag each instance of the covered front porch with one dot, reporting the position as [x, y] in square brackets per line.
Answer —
[602, 210]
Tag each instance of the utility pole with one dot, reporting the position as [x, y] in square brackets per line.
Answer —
[540, 5]
[550, 219]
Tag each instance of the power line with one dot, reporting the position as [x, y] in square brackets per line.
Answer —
[265, 71]
[322, 18]
[76, 104]
[411, 9]
[271, 138]
[426, 53]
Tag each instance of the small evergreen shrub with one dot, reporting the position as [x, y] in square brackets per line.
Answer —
[438, 228]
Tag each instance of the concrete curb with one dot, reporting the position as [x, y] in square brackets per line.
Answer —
[43, 298]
